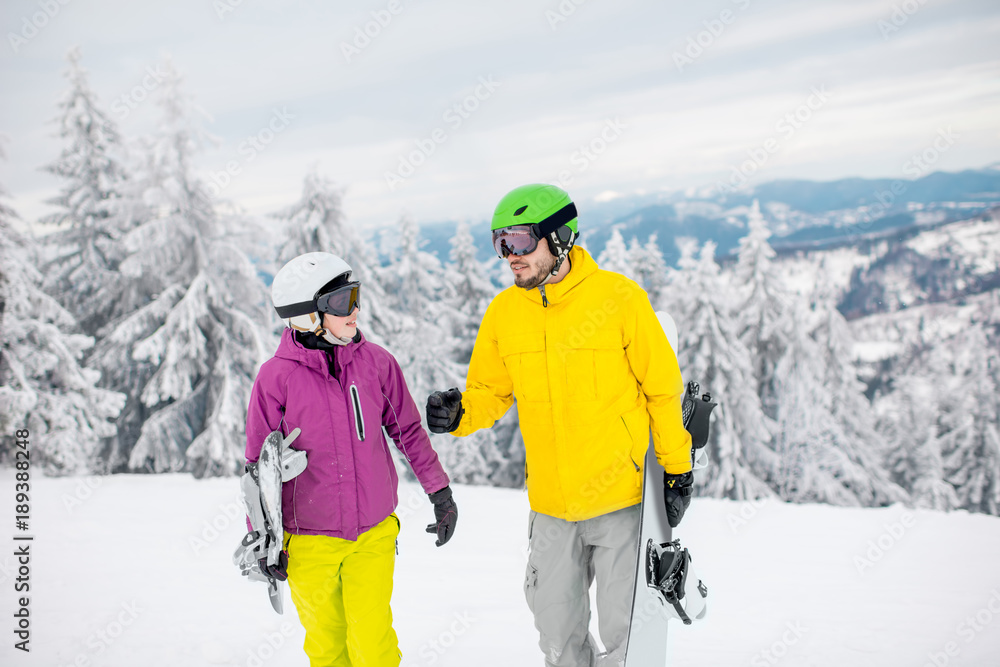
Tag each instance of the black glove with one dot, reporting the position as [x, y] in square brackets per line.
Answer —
[677, 496]
[444, 410]
[445, 515]
[277, 571]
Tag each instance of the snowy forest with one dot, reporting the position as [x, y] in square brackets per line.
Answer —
[132, 323]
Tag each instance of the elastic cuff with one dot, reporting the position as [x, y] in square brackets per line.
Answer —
[441, 495]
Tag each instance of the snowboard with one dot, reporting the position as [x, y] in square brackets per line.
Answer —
[261, 486]
[662, 565]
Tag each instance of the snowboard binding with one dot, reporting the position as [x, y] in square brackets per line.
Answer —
[259, 555]
[695, 413]
[670, 576]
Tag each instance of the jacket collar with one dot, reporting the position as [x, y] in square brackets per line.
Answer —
[582, 265]
[290, 348]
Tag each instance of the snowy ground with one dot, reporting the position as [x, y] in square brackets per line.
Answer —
[136, 570]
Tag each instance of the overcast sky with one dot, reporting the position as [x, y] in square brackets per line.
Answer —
[665, 94]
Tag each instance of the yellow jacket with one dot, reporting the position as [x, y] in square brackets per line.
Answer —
[592, 372]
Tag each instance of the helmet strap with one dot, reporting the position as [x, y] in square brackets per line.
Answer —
[330, 338]
[560, 248]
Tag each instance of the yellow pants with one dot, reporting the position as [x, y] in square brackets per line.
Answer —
[341, 590]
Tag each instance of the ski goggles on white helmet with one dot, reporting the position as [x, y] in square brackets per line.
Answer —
[518, 240]
[341, 301]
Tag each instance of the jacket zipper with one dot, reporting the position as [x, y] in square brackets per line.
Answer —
[359, 419]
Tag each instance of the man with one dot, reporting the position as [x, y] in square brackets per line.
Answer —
[583, 353]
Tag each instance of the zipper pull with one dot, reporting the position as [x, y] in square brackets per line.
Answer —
[545, 299]
[359, 419]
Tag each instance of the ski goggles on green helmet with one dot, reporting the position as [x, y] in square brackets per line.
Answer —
[518, 240]
[341, 301]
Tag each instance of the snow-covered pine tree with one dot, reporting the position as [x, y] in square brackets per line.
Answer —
[43, 386]
[970, 436]
[859, 453]
[427, 350]
[647, 265]
[765, 316]
[710, 352]
[826, 456]
[908, 423]
[615, 257]
[316, 223]
[187, 356]
[473, 290]
[92, 215]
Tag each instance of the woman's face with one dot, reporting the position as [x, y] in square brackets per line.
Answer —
[341, 327]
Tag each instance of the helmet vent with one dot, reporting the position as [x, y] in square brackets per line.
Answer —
[520, 210]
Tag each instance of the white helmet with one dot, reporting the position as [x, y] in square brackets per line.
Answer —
[299, 282]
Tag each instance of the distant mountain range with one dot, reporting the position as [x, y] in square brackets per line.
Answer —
[803, 214]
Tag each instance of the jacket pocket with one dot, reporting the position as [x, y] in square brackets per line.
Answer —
[523, 356]
[359, 417]
[637, 454]
[593, 366]
[530, 572]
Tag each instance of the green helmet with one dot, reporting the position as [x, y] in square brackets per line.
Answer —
[548, 213]
[535, 204]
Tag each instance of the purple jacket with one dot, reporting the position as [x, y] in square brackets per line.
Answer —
[349, 484]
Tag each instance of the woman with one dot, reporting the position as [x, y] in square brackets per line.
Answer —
[340, 530]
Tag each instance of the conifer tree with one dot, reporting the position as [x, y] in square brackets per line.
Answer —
[648, 267]
[970, 438]
[187, 354]
[765, 315]
[44, 387]
[473, 290]
[615, 256]
[908, 421]
[316, 223]
[93, 213]
[742, 463]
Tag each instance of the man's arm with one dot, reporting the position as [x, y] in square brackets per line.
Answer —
[489, 391]
[655, 367]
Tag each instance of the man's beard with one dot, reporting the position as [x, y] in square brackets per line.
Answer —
[537, 278]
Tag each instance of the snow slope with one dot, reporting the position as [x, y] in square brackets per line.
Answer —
[132, 570]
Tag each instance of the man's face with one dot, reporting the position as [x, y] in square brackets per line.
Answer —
[531, 269]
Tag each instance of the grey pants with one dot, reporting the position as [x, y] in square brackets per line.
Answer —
[564, 559]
